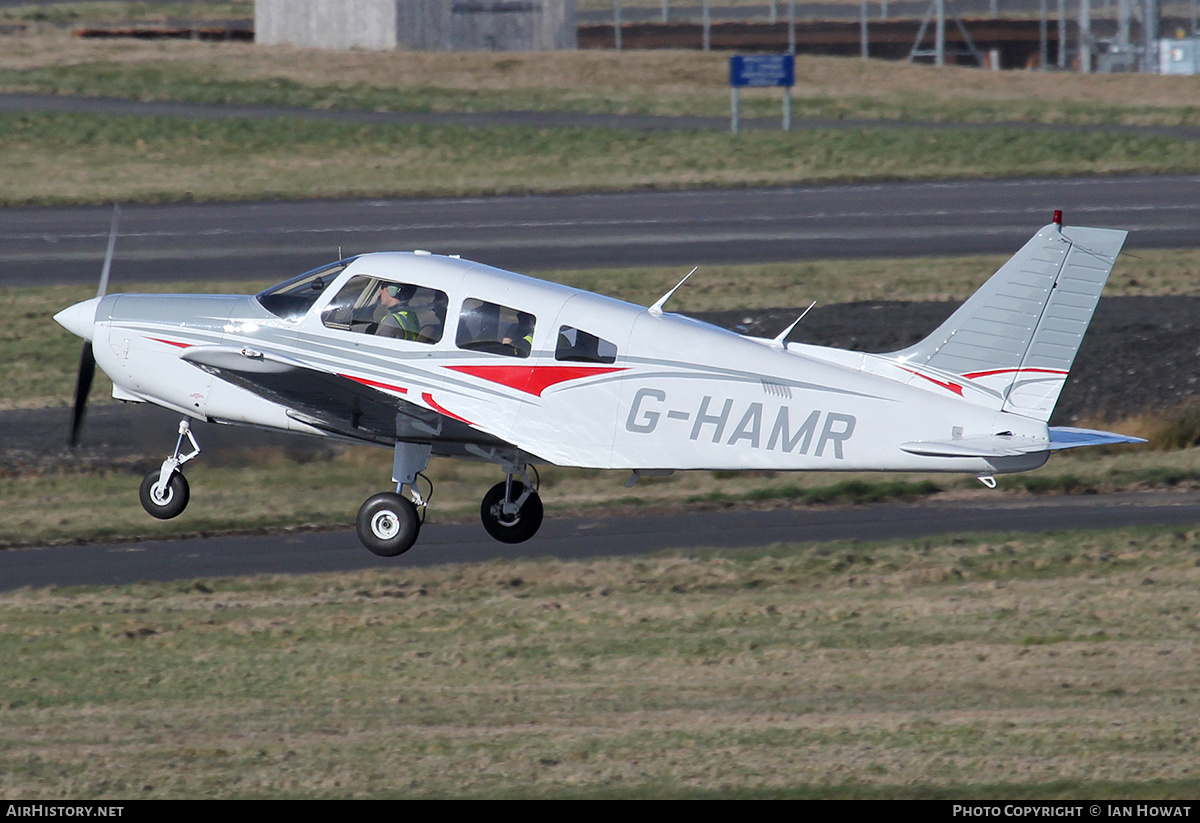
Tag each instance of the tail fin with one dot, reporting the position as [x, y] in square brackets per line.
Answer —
[1016, 338]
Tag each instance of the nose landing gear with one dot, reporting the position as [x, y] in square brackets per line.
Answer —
[165, 491]
[164, 501]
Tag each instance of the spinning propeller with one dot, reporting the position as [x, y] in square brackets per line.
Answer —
[87, 360]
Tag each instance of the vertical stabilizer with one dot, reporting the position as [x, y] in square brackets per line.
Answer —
[1016, 338]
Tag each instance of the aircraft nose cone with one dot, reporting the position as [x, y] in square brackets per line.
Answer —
[79, 319]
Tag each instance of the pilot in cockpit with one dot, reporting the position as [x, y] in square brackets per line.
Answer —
[396, 317]
[519, 335]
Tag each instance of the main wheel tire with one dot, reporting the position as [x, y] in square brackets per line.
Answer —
[388, 524]
[515, 528]
[164, 503]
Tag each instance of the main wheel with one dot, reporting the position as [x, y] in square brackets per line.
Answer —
[388, 524]
[511, 527]
[164, 502]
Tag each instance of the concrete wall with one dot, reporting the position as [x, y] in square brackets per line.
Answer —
[328, 24]
[418, 25]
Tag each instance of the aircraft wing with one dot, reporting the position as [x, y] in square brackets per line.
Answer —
[337, 403]
[1007, 445]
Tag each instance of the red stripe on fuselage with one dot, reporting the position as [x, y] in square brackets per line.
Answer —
[954, 387]
[532, 379]
[375, 384]
[426, 396]
[171, 342]
[976, 374]
[429, 401]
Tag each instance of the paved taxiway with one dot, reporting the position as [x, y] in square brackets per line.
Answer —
[571, 538]
[275, 240]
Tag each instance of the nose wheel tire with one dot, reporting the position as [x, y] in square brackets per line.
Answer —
[164, 502]
[388, 524]
[511, 527]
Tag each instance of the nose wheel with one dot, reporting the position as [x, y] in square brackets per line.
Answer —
[164, 501]
[165, 491]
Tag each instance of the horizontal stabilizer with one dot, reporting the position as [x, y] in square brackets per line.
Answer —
[994, 445]
[1065, 437]
[1008, 445]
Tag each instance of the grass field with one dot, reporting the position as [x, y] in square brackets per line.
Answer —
[1042, 667]
[63, 159]
[91, 158]
[1048, 667]
[646, 82]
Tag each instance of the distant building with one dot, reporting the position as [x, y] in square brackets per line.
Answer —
[417, 25]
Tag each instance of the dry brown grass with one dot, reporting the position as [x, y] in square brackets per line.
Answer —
[668, 74]
[987, 667]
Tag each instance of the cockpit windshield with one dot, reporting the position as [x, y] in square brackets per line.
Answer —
[292, 299]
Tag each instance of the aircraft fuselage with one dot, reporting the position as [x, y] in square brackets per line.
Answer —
[669, 393]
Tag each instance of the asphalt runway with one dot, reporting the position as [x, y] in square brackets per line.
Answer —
[581, 538]
[275, 240]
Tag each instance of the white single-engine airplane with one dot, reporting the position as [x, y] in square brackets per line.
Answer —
[433, 355]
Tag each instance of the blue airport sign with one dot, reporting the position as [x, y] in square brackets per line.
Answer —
[762, 70]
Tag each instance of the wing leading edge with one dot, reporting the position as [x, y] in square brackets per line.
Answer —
[355, 407]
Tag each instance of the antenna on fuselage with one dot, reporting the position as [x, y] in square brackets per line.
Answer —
[657, 308]
[780, 342]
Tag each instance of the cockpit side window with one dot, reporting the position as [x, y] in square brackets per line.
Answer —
[496, 329]
[292, 299]
[385, 308]
[577, 346]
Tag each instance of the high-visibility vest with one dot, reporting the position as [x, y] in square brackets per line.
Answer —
[407, 320]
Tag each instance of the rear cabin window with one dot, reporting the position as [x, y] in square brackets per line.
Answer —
[495, 329]
[577, 346]
[385, 308]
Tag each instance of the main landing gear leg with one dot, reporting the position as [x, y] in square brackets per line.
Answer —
[165, 492]
[389, 523]
[512, 511]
